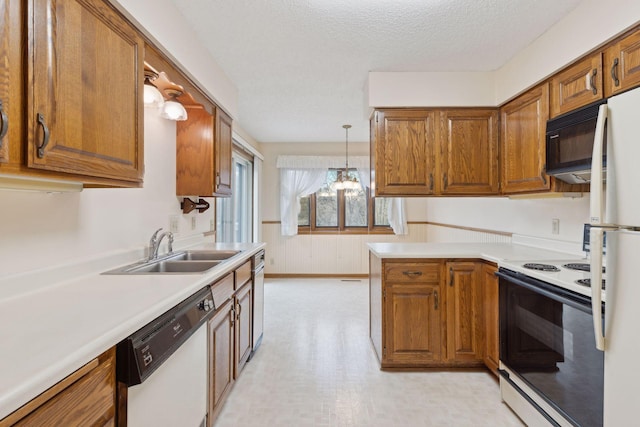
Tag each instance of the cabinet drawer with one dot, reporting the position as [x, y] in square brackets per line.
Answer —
[222, 290]
[418, 272]
[243, 274]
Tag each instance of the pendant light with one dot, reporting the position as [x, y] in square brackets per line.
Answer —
[172, 109]
[343, 180]
[152, 96]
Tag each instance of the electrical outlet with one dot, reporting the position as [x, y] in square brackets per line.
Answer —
[555, 226]
[174, 223]
[193, 222]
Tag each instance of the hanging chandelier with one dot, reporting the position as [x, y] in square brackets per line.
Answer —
[343, 180]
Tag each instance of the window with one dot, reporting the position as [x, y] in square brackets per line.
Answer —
[330, 210]
[234, 214]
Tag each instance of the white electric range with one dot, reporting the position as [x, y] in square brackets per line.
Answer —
[573, 275]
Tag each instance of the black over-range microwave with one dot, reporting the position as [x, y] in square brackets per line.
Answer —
[570, 144]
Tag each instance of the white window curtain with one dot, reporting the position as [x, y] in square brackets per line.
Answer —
[294, 184]
[396, 210]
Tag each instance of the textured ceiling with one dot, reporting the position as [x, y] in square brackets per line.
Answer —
[301, 65]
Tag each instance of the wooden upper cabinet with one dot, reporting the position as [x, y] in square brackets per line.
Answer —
[464, 319]
[577, 86]
[403, 152]
[84, 91]
[195, 153]
[223, 150]
[469, 151]
[523, 149]
[203, 153]
[622, 63]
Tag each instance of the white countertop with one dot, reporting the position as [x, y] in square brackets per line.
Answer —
[50, 331]
[493, 252]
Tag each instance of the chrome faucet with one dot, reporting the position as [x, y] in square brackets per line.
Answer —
[154, 243]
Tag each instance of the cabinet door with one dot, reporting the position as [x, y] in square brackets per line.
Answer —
[7, 67]
[622, 63]
[491, 317]
[412, 324]
[87, 397]
[243, 327]
[221, 357]
[469, 149]
[577, 86]
[223, 147]
[85, 110]
[524, 122]
[405, 162]
[463, 312]
[195, 153]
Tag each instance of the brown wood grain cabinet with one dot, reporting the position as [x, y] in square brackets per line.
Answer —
[243, 327]
[490, 310]
[464, 316]
[469, 152]
[10, 75]
[578, 85]
[84, 90]
[429, 313]
[403, 152]
[412, 314]
[221, 357]
[203, 153]
[523, 128]
[87, 397]
[622, 64]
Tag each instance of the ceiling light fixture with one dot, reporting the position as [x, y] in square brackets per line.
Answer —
[152, 96]
[343, 180]
[172, 109]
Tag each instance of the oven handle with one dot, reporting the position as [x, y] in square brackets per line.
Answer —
[582, 306]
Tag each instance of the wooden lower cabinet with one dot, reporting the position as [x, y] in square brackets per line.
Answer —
[87, 397]
[406, 306]
[243, 327]
[491, 317]
[464, 317]
[221, 357]
[429, 312]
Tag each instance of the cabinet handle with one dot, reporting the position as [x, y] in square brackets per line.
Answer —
[450, 276]
[412, 273]
[614, 72]
[239, 310]
[430, 182]
[232, 314]
[592, 81]
[446, 181]
[217, 179]
[435, 300]
[45, 135]
[4, 127]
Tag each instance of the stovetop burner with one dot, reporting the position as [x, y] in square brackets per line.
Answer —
[541, 267]
[587, 282]
[580, 266]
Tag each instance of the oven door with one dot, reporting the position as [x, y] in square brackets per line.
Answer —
[547, 342]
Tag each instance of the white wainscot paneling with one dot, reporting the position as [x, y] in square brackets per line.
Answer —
[298, 254]
[275, 250]
[441, 234]
[349, 256]
[323, 254]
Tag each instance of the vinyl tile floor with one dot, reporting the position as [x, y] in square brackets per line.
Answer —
[316, 367]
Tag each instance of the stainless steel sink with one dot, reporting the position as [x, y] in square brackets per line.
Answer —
[185, 262]
[204, 255]
[174, 267]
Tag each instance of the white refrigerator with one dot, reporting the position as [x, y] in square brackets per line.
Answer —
[616, 211]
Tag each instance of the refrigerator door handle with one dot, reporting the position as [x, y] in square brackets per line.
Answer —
[596, 237]
[597, 191]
